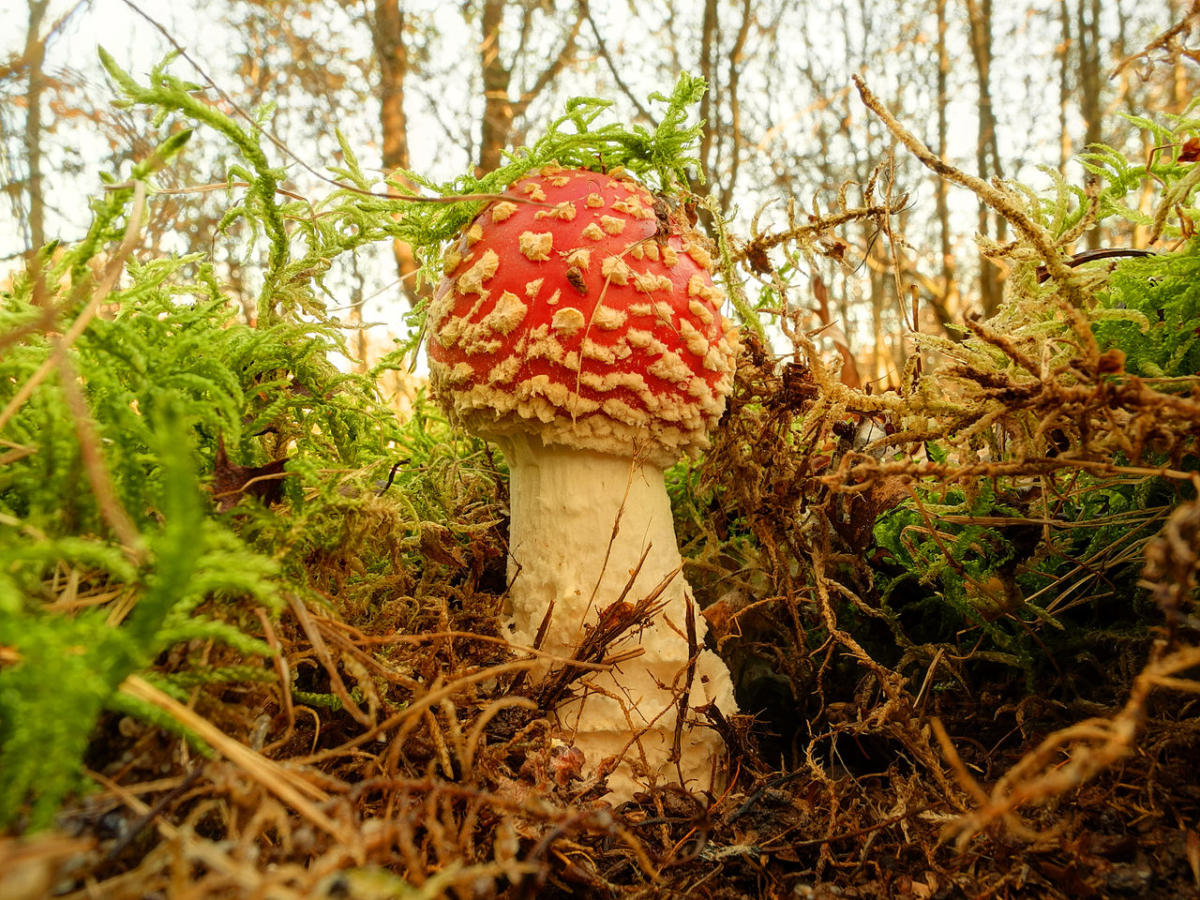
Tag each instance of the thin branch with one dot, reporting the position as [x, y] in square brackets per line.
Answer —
[602, 47]
[1163, 42]
[1042, 241]
[991, 195]
[735, 105]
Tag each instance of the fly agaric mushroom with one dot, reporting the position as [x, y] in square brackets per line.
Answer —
[582, 333]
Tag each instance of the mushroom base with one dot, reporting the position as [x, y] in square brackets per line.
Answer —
[581, 522]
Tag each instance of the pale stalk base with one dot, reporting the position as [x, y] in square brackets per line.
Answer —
[564, 504]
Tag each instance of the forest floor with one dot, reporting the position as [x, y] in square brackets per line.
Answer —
[409, 758]
[459, 792]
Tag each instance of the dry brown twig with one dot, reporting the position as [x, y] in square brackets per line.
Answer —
[418, 706]
[294, 790]
[1172, 568]
[100, 293]
[300, 611]
[92, 456]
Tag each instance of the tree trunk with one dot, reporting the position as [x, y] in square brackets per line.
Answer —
[1183, 84]
[736, 60]
[392, 54]
[940, 185]
[1090, 82]
[497, 106]
[35, 54]
[979, 13]
[1065, 58]
[708, 41]
[387, 33]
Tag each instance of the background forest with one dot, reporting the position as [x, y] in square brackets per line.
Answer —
[945, 538]
[439, 88]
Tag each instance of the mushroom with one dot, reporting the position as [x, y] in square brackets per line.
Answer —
[582, 333]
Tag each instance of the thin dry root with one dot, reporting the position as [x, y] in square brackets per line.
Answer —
[1090, 747]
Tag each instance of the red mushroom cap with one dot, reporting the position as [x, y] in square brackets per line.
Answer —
[586, 317]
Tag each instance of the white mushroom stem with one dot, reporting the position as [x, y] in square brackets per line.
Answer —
[562, 550]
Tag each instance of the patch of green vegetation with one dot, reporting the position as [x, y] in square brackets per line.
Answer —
[1150, 310]
[140, 517]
